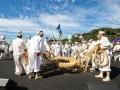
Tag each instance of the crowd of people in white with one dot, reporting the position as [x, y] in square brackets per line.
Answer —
[37, 45]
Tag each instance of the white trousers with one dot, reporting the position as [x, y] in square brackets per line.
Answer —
[35, 62]
[57, 53]
[18, 63]
[93, 64]
[107, 67]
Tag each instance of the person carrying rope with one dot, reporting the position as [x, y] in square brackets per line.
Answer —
[104, 45]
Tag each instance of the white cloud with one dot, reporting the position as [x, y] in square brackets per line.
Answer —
[26, 8]
[64, 20]
[112, 8]
[105, 14]
[4, 22]
[26, 25]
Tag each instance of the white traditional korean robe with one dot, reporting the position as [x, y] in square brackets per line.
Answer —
[18, 48]
[75, 51]
[37, 45]
[106, 43]
[28, 43]
[116, 51]
[57, 50]
[52, 48]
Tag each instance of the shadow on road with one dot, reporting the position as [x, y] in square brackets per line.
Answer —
[56, 72]
[12, 85]
[115, 71]
[21, 88]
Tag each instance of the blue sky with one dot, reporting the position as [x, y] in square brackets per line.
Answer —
[74, 16]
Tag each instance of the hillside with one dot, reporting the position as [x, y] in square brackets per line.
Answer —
[110, 33]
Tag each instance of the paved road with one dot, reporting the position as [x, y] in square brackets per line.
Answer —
[57, 80]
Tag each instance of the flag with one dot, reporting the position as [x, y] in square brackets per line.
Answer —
[59, 30]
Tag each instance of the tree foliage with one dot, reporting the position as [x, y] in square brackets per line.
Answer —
[64, 40]
[110, 33]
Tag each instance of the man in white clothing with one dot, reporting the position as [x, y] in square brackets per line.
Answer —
[28, 41]
[104, 45]
[18, 45]
[66, 50]
[92, 44]
[52, 47]
[116, 51]
[58, 49]
[11, 51]
[37, 47]
[76, 51]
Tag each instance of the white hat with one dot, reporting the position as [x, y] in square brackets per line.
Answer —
[90, 40]
[101, 32]
[76, 42]
[19, 33]
[37, 33]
